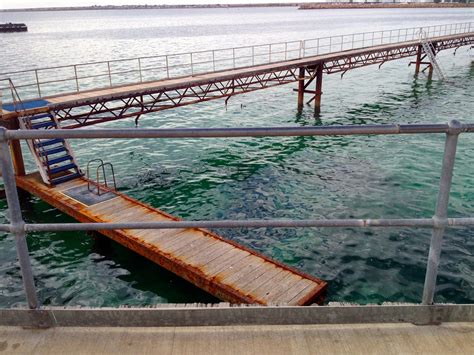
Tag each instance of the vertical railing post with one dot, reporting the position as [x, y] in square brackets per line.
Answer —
[192, 67]
[253, 55]
[75, 77]
[441, 214]
[167, 67]
[213, 60]
[16, 221]
[110, 74]
[140, 69]
[286, 50]
[233, 57]
[37, 83]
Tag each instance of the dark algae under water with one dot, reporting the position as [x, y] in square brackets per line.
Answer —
[290, 177]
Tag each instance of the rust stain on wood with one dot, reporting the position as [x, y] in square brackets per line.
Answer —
[225, 269]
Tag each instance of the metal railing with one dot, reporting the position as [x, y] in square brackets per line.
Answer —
[41, 82]
[439, 222]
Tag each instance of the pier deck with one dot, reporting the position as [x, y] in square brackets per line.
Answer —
[88, 107]
[225, 269]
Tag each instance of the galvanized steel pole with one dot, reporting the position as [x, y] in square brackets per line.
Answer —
[16, 220]
[441, 214]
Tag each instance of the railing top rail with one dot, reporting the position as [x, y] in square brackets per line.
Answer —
[226, 49]
[383, 129]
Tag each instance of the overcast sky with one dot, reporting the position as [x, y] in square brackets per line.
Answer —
[12, 4]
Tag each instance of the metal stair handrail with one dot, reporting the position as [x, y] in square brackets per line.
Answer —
[97, 183]
[430, 52]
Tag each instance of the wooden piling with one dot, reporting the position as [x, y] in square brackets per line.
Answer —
[301, 89]
[418, 60]
[16, 152]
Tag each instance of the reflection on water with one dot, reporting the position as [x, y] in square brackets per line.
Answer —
[290, 177]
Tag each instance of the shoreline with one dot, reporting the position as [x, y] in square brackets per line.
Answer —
[152, 7]
[300, 6]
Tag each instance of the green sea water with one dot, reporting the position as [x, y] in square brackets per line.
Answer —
[291, 177]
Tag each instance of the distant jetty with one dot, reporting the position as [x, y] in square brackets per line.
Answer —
[13, 27]
[340, 5]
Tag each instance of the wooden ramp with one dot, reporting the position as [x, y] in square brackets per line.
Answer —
[223, 268]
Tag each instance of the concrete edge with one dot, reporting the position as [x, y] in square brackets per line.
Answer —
[221, 316]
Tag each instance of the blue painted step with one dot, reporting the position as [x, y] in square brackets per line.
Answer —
[59, 160]
[62, 168]
[45, 143]
[41, 115]
[44, 125]
[53, 151]
[65, 178]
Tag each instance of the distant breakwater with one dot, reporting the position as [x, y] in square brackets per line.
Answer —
[321, 6]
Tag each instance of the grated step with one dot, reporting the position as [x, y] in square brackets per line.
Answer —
[41, 115]
[48, 142]
[53, 151]
[44, 125]
[60, 169]
[65, 178]
[59, 160]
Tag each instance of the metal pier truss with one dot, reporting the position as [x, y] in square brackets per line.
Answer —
[78, 100]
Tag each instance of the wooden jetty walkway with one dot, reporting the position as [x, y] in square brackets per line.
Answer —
[223, 268]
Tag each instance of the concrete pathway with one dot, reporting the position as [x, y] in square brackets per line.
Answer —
[448, 338]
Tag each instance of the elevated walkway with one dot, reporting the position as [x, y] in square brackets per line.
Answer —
[82, 108]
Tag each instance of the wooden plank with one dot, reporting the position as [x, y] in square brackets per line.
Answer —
[295, 290]
[226, 262]
[262, 290]
[195, 247]
[255, 265]
[114, 213]
[190, 255]
[155, 236]
[289, 281]
[132, 214]
[209, 255]
[178, 237]
[70, 185]
[245, 265]
[266, 272]
[179, 240]
[111, 207]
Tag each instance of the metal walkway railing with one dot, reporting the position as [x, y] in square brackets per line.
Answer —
[41, 82]
[439, 222]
